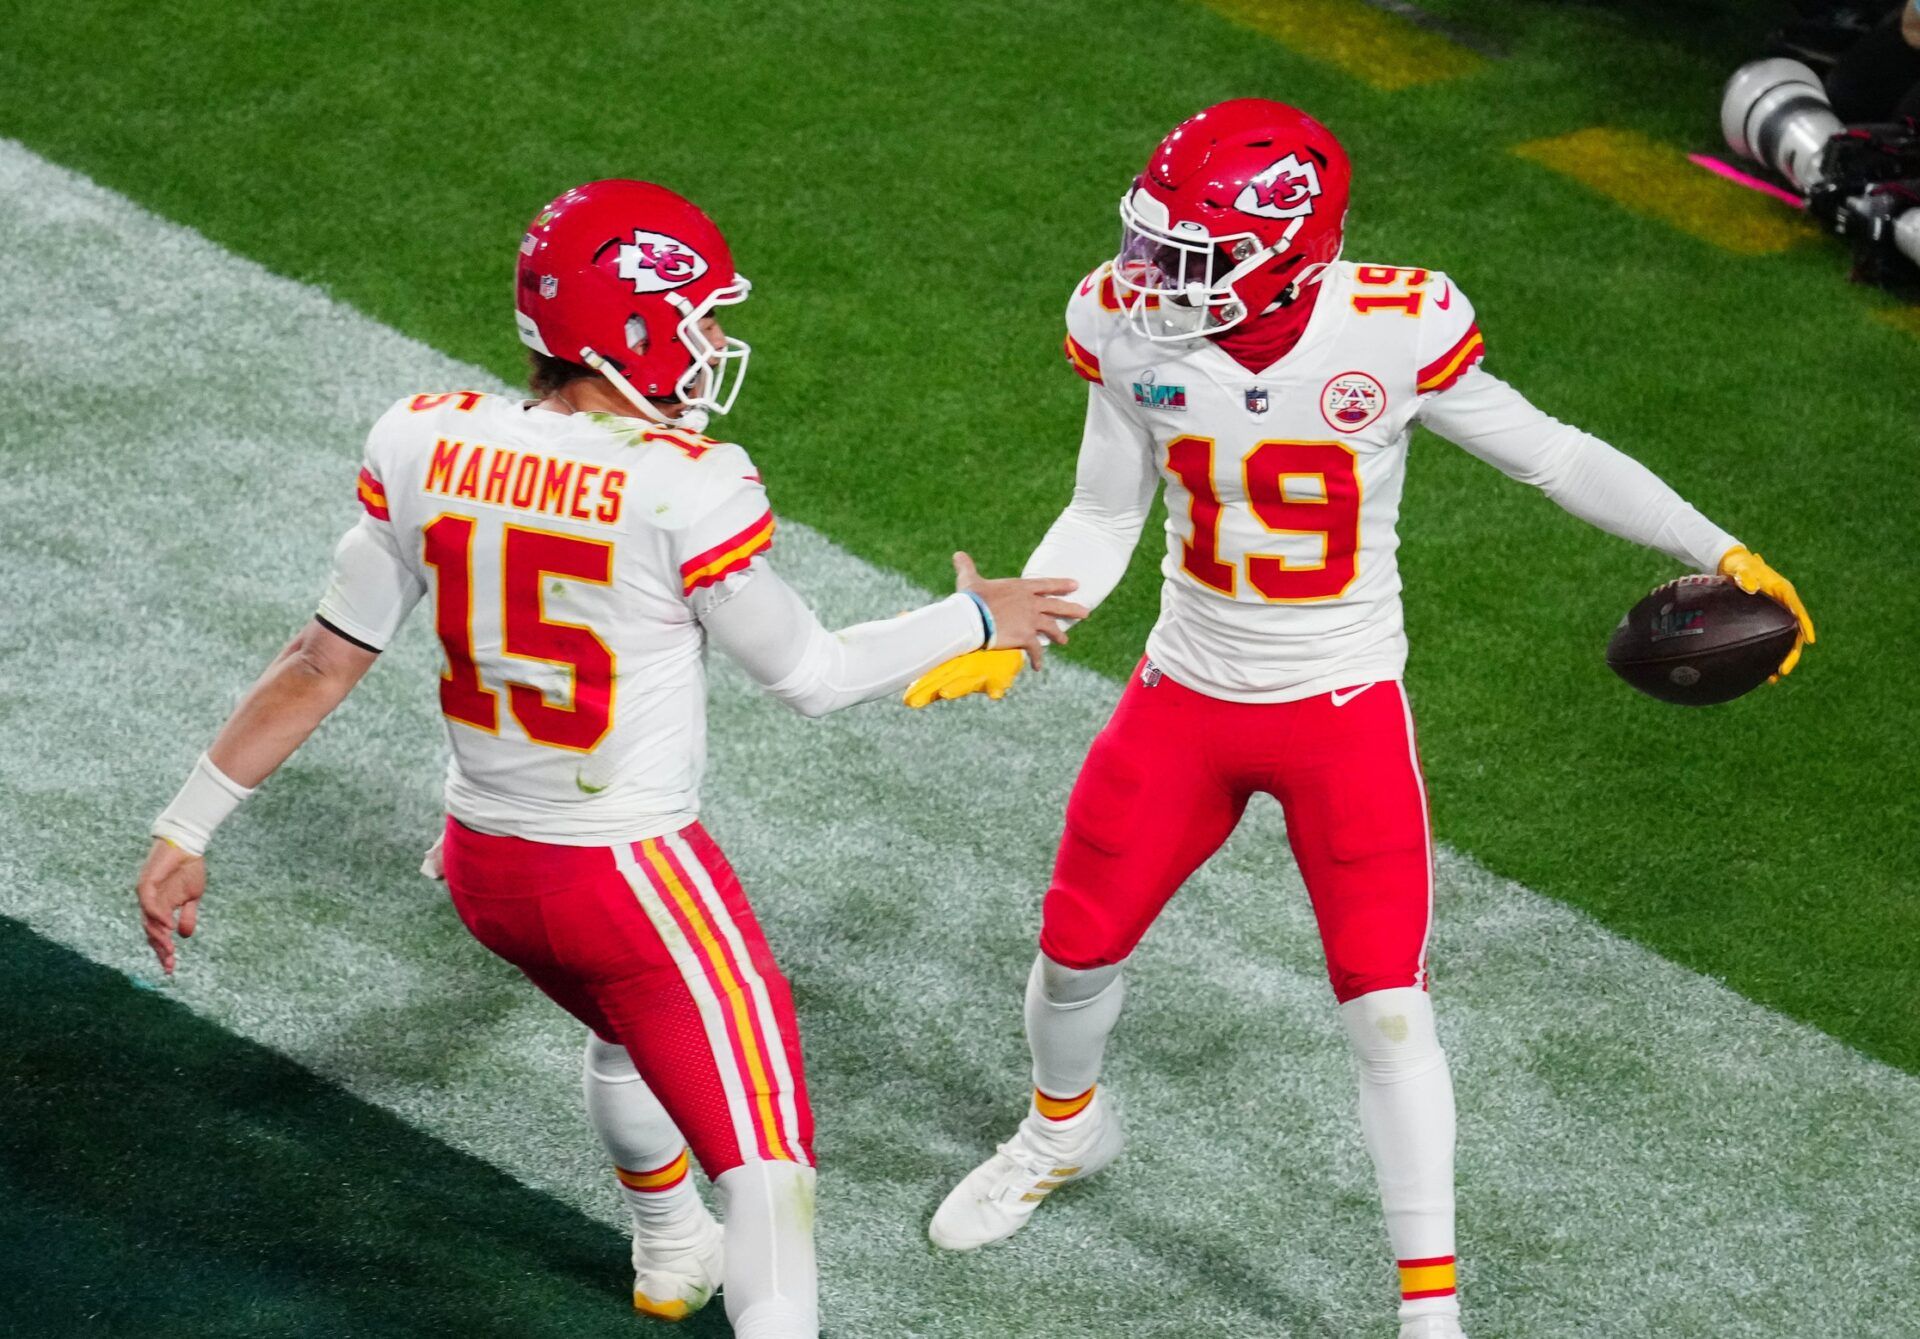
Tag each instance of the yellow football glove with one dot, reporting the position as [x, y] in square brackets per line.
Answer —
[989, 672]
[1751, 573]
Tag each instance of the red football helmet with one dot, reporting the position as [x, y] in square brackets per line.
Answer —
[1240, 207]
[618, 275]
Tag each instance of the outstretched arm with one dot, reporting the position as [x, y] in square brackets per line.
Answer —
[1602, 486]
[1093, 539]
[305, 682]
[1489, 419]
[761, 622]
[1091, 542]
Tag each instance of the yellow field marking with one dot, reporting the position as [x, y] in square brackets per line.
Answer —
[1656, 180]
[1900, 318]
[1374, 47]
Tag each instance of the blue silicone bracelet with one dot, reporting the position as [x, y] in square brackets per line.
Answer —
[986, 616]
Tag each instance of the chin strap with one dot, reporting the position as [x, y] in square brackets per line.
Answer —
[694, 420]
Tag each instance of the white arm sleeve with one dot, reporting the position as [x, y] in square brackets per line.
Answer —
[1113, 487]
[765, 625]
[372, 589]
[1491, 420]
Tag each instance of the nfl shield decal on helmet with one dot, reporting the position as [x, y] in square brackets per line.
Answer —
[549, 285]
[1257, 402]
[1351, 401]
[654, 262]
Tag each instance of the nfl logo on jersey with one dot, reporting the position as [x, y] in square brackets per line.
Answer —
[1256, 399]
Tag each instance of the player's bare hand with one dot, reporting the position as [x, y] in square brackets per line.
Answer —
[169, 887]
[1027, 611]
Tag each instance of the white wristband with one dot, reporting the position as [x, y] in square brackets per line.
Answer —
[201, 806]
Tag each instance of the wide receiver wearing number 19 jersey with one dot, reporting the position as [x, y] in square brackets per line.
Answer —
[1271, 387]
[578, 553]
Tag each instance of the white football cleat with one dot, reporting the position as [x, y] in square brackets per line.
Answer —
[996, 1199]
[673, 1277]
[1432, 1327]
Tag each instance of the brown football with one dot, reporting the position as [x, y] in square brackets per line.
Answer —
[1700, 640]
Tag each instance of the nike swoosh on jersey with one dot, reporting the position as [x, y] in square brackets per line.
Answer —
[1341, 699]
[1446, 301]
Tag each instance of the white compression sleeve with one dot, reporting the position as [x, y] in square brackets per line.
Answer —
[1094, 538]
[1069, 1016]
[1491, 420]
[642, 1140]
[767, 627]
[772, 1287]
[1407, 1120]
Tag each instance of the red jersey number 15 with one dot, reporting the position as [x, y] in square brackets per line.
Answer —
[528, 558]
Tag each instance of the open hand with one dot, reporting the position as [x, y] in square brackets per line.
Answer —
[169, 886]
[1026, 610]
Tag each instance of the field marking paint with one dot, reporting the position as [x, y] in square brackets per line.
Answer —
[1904, 319]
[1656, 181]
[1383, 50]
[1638, 1143]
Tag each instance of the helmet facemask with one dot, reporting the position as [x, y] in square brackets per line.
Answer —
[1175, 281]
[714, 372]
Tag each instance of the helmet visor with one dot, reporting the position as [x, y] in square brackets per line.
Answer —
[1175, 282]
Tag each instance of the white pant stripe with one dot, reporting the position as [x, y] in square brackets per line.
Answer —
[1426, 827]
[693, 971]
[709, 895]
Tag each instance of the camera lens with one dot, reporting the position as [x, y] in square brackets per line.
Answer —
[1775, 113]
[1906, 234]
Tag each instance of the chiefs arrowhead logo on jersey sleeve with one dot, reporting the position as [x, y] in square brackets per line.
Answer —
[654, 262]
[1286, 190]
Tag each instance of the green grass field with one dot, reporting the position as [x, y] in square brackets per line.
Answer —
[913, 191]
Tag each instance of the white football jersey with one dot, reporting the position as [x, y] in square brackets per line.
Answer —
[564, 557]
[1283, 486]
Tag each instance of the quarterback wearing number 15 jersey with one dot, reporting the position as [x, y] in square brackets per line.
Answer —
[569, 557]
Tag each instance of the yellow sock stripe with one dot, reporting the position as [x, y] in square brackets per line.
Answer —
[1427, 1279]
[1060, 1108]
[1356, 39]
[735, 997]
[1655, 180]
[659, 1179]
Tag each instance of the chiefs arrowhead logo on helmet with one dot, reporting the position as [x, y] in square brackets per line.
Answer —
[1286, 190]
[654, 262]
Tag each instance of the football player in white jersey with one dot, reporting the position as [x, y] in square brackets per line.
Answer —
[580, 550]
[1272, 387]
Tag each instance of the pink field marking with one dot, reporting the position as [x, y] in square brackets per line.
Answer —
[1751, 182]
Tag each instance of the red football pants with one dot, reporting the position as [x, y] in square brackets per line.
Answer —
[1167, 780]
[653, 946]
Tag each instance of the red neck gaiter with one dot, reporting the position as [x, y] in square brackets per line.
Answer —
[1261, 341]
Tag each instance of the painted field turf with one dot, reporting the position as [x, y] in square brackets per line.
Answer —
[915, 188]
[1637, 1141]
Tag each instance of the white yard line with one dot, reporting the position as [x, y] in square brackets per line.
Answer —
[1644, 1152]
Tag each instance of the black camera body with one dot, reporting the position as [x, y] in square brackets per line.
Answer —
[1869, 193]
[1863, 182]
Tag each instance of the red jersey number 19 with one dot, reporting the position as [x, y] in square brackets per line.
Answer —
[1332, 512]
